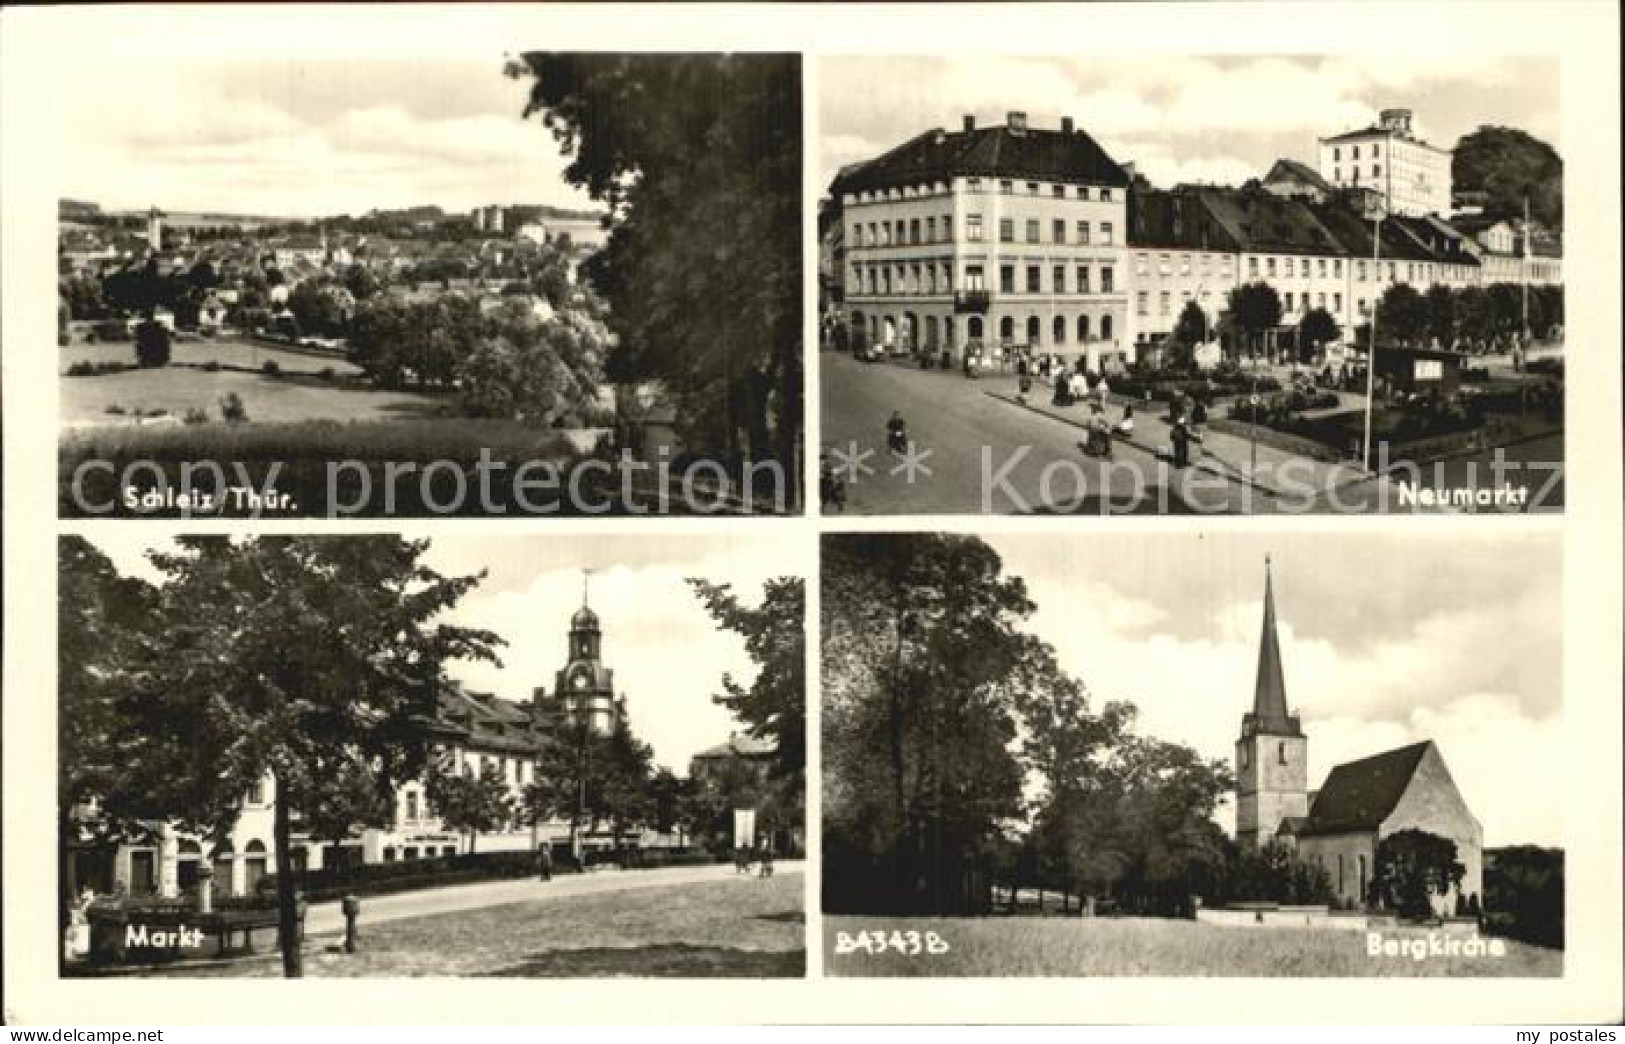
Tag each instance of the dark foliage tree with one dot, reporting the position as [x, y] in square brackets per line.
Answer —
[591, 779]
[1315, 332]
[1190, 330]
[279, 657]
[1524, 893]
[699, 158]
[316, 309]
[1410, 868]
[920, 667]
[151, 344]
[1510, 164]
[526, 368]
[1402, 314]
[1440, 301]
[1255, 307]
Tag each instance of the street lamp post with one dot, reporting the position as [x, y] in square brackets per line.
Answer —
[1371, 350]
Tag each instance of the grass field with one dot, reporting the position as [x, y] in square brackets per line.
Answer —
[1143, 946]
[731, 928]
[173, 389]
[225, 351]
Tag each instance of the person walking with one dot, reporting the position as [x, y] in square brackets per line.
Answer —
[1181, 437]
[544, 861]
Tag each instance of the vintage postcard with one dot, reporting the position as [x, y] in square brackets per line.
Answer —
[566, 514]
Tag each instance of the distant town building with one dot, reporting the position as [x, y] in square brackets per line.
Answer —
[1412, 176]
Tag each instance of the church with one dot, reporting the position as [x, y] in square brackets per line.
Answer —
[1361, 802]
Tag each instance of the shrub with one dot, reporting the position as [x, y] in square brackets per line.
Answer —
[1551, 366]
[115, 409]
[326, 373]
[212, 366]
[232, 410]
[194, 416]
[271, 368]
[152, 344]
[86, 368]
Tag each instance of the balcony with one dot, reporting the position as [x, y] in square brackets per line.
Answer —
[971, 301]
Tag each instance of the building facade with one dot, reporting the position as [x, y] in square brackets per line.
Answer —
[477, 734]
[999, 240]
[1411, 176]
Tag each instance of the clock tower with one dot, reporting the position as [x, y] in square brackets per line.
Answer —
[584, 690]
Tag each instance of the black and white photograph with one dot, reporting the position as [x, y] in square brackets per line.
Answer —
[1190, 285]
[372, 288]
[1192, 755]
[376, 756]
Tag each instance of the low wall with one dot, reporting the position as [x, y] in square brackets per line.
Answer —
[1283, 917]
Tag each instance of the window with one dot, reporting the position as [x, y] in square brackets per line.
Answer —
[1184, 264]
[947, 278]
[1105, 232]
[857, 235]
[1032, 230]
[1337, 173]
[973, 184]
[1164, 303]
[1058, 229]
[1289, 300]
[1337, 302]
[1032, 279]
[930, 230]
[1007, 230]
[1252, 267]
[1058, 334]
[256, 793]
[973, 227]
[1007, 279]
[1289, 268]
[1083, 279]
[973, 278]
[1140, 263]
[412, 805]
[1105, 328]
[1320, 299]
[1083, 328]
[1165, 264]
[1322, 267]
[1083, 191]
[1246, 755]
[1006, 188]
[1058, 279]
[1058, 191]
[930, 279]
[1032, 188]
[1269, 267]
[1337, 154]
[1359, 271]
[914, 230]
[1280, 752]
[1356, 153]
[1083, 232]
[1141, 303]
[1105, 279]
[1337, 268]
[1105, 195]
[1376, 170]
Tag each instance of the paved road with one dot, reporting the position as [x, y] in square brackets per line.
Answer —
[986, 456]
[328, 918]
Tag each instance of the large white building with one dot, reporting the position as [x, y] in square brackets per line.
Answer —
[1411, 176]
[1001, 239]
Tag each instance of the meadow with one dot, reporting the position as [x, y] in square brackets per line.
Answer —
[1074, 946]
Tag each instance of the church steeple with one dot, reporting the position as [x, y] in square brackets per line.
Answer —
[1269, 691]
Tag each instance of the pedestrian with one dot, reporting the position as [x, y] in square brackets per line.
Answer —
[1102, 390]
[1181, 437]
[1125, 427]
[1079, 386]
[1198, 415]
[544, 862]
[765, 857]
[1060, 390]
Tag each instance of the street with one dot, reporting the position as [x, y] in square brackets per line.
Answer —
[983, 455]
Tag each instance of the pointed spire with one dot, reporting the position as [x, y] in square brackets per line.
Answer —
[1269, 694]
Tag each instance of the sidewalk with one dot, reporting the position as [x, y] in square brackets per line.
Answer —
[1222, 454]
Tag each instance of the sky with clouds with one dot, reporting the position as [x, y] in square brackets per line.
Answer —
[667, 656]
[1386, 640]
[1180, 117]
[306, 138]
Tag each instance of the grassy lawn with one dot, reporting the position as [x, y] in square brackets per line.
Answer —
[1143, 946]
[86, 400]
[731, 928]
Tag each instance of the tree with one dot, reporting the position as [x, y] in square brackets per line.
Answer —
[921, 666]
[151, 344]
[1402, 315]
[530, 369]
[471, 803]
[774, 706]
[278, 657]
[315, 309]
[1509, 164]
[1410, 867]
[1475, 316]
[699, 158]
[1440, 303]
[353, 798]
[1315, 332]
[360, 281]
[590, 779]
[1256, 307]
[1523, 893]
[1190, 330]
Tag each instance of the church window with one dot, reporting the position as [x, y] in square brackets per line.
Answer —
[1246, 756]
[1339, 873]
[1280, 752]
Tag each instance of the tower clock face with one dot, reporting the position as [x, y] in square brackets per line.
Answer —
[580, 681]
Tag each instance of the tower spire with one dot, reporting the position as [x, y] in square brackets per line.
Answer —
[1269, 692]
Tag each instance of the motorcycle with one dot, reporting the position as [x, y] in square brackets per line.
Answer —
[897, 437]
[831, 490]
